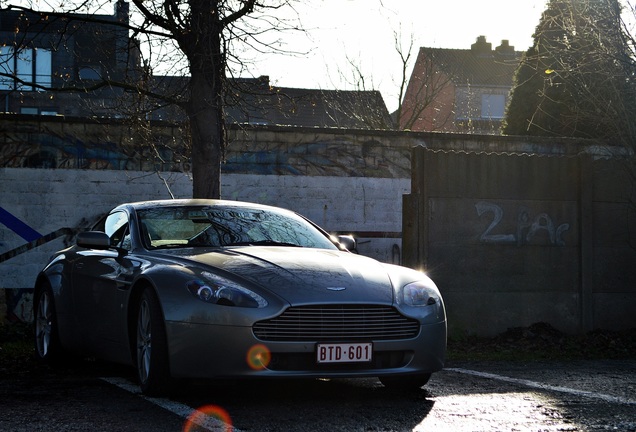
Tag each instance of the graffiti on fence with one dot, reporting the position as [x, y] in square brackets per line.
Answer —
[527, 227]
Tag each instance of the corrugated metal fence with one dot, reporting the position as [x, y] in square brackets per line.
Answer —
[515, 239]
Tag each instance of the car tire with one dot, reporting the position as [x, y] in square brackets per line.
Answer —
[47, 343]
[151, 346]
[405, 382]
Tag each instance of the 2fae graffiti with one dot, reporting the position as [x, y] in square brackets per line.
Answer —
[527, 228]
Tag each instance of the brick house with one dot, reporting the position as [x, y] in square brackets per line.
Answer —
[460, 90]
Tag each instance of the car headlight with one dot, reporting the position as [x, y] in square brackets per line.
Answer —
[217, 290]
[419, 294]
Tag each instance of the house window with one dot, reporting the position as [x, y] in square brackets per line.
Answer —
[43, 67]
[24, 69]
[7, 67]
[90, 73]
[29, 110]
[35, 111]
[493, 106]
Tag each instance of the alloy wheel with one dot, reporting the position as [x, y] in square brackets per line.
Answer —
[144, 341]
[43, 324]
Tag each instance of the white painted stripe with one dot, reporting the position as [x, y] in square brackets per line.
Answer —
[538, 385]
[212, 424]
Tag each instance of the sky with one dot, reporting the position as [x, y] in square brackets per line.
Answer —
[361, 32]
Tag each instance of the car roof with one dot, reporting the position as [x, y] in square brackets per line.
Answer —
[139, 205]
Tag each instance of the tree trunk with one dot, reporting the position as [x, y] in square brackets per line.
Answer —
[208, 137]
[203, 46]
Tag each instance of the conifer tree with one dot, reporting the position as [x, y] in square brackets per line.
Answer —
[575, 79]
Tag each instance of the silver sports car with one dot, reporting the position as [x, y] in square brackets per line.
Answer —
[223, 289]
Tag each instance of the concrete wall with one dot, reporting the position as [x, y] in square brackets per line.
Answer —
[505, 235]
[518, 239]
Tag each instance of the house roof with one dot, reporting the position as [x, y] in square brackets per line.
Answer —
[263, 103]
[479, 66]
[256, 101]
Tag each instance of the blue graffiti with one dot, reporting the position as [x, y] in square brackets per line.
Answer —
[18, 227]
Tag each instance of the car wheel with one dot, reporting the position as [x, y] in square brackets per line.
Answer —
[406, 382]
[152, 349]
[47, 342]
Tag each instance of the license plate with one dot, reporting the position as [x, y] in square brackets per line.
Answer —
[344, 352]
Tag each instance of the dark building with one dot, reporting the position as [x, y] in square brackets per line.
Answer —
[47, 62]
[65, 65]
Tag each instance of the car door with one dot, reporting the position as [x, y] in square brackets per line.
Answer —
[101, 280]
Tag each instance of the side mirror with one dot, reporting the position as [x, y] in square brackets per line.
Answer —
[93, 240]
[348, 242]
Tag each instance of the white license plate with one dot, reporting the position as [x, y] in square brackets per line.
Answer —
[344, 352]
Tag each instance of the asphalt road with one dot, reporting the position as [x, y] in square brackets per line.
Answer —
[467, 396]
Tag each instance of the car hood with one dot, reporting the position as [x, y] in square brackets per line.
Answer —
[304, 275]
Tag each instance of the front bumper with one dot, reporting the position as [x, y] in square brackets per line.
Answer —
[213, 351]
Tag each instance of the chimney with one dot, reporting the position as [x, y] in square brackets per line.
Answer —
[122, 10]
[481, 47]
[505, 48]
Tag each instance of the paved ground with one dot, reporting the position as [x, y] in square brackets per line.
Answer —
[541, 381]
[597, 395]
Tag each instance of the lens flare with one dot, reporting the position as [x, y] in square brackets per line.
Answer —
[258, 357]
[208, 417]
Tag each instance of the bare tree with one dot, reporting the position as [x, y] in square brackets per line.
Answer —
[200, 40]
[415, 93]
[405, 60]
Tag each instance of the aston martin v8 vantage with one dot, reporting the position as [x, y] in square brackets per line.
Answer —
[222, 289]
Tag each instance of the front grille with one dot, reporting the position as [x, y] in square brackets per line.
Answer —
[337, 323]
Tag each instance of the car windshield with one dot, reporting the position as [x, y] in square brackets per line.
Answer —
[219, 226]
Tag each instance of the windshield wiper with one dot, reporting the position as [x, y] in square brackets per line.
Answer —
[263, 243]
[170, 246]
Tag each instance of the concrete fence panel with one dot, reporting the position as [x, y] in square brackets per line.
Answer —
[517, 239]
